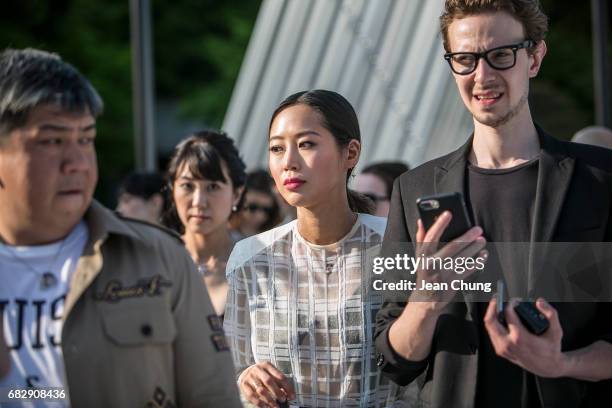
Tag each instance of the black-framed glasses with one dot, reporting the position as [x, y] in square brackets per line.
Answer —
[500, 58]
[375, 198]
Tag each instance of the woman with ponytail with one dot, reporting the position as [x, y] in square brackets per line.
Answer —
[300, 314]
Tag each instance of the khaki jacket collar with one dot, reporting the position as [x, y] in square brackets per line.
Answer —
[101, 222]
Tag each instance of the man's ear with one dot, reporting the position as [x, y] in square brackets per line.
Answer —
[536, 59]
[353, 151]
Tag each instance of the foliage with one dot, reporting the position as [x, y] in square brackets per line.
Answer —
[198, 48]
[567, 71]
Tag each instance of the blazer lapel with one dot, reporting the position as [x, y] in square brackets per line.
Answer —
[450, 176]
[554, 177]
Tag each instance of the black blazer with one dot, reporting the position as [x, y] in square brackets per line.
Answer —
[573, 204]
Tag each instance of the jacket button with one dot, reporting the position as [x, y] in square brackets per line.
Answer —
[146, 330]
[381, 360]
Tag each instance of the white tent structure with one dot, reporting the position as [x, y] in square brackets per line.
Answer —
[384, 56]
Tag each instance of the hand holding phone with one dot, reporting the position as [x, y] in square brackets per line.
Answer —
[535, 322]
[431, 207]
[433, 281]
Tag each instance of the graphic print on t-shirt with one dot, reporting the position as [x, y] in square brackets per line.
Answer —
[35, 281]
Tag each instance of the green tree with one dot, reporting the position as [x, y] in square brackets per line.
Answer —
[562, 97]
[198, 48]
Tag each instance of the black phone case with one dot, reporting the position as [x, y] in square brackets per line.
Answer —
[452, 202]
[531, 317]
[534, 321]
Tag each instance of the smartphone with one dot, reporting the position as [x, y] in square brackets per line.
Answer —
[431, 207]
[535, 322]
[500, 307]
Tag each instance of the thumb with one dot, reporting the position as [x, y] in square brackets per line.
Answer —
[551, 314]
[546, 309]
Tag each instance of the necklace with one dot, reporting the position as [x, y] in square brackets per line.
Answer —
[202, 269]
[47, 278]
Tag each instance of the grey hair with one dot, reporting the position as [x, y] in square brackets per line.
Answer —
[30, 77]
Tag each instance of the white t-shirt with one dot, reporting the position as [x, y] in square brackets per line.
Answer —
[34, 281]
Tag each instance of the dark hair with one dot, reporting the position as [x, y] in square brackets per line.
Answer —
[30, 77]
[387, 172]
[260, 181]
[203, 153]
[143, 185]
[528, 12]
[340, 119]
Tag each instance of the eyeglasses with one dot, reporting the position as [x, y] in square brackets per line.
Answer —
[500, 58]
[253, 208]
[375, 198]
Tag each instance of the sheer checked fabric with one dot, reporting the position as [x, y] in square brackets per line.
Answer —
[308, 310]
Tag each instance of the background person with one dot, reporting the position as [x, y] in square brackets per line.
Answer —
[141, 196]
[206, 177]
[260, 210]
[106, 309]
[595, 136]
[298, 317]
[376, 183]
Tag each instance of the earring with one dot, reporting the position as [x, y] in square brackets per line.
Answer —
[234, 208]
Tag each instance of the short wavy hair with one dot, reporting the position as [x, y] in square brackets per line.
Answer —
[528, 12]
[31, 77]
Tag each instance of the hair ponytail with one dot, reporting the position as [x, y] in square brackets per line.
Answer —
[359, 203]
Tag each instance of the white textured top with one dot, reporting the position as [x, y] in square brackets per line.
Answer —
[309, 310]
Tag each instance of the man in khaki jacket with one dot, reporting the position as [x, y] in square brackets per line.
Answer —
[99, 311]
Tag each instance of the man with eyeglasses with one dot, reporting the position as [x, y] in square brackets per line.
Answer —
[520, 185]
